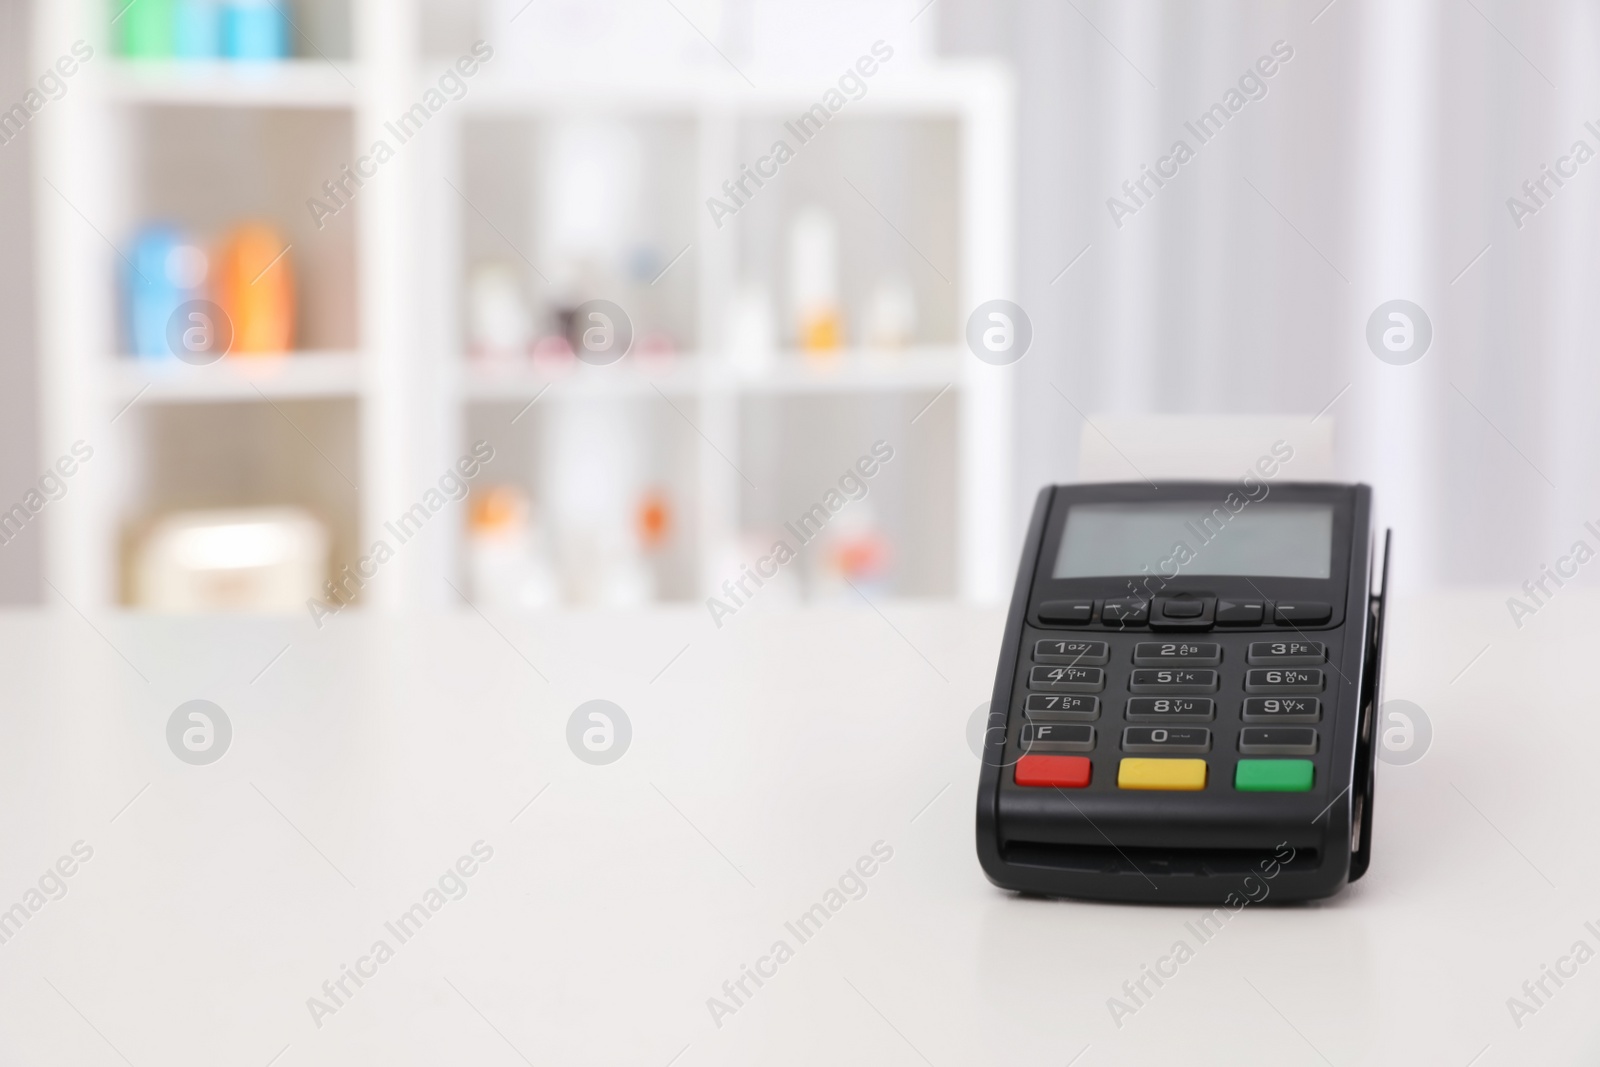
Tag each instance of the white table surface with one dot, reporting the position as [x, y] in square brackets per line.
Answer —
[767, 758]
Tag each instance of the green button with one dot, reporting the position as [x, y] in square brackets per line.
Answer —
[1273, 776]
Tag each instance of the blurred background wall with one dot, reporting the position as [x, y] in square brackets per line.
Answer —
[19, 426]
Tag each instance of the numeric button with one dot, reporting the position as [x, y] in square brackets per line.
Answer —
[1287, 653]
[1061, 707]
[1176, 653]
[1067, 679]
[1171, 680]
[1170, 709]
[1282, 709]
[1159, 739]
[1072, 653]
[1282, 680]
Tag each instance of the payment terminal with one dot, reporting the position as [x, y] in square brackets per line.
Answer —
[1186, 694]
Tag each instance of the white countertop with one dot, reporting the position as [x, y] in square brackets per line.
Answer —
[767, 758]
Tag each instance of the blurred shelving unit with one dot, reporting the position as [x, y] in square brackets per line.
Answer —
[383, 395]
[202, 144]
[734, 424]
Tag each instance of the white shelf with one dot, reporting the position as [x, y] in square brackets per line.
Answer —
[847, 371]
[290, 83]
[950, 87]
[294, 376]
[490, 381]
[857, 371]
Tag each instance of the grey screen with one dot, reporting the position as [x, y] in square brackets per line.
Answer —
[1271, 540]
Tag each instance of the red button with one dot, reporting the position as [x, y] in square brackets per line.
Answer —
[1062, 772]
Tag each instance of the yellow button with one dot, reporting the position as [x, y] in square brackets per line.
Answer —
[1186, 774]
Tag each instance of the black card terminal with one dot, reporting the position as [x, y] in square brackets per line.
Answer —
[1185, 695]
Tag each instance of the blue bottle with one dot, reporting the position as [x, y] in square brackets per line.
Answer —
[254, 29]
[196, 29]
[163, 272]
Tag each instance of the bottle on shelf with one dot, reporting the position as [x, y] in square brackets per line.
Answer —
[196, 29]
[165, 270]
[255, 287]
[752, 333]
[507, 562]
[891, 319]
[854, 550]
[144, 28]
[497, 313]
[254, 30]
[592, 453]
[814, 283]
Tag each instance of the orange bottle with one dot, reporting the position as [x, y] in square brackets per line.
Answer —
[255, 286]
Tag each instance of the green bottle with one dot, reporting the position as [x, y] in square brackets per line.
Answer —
[144, 27]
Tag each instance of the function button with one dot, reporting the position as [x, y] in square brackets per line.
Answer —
[1067, 679]
[1128, 611]
[1278, 741]
[1281, 680]
[1057, 737]
[1188, 653]
[1301, 612]
[1058, 772]
[1074, 653]
[1188, 775]
[1273, 776]
[1182, 613]
[1170, 709]
[1288, 653]
[1066, 612]
[1241, 612]
[1171, 680]
[1166, 739]
[1043, 706]
[1282, 709]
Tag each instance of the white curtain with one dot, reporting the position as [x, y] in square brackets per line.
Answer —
[1377, 166]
